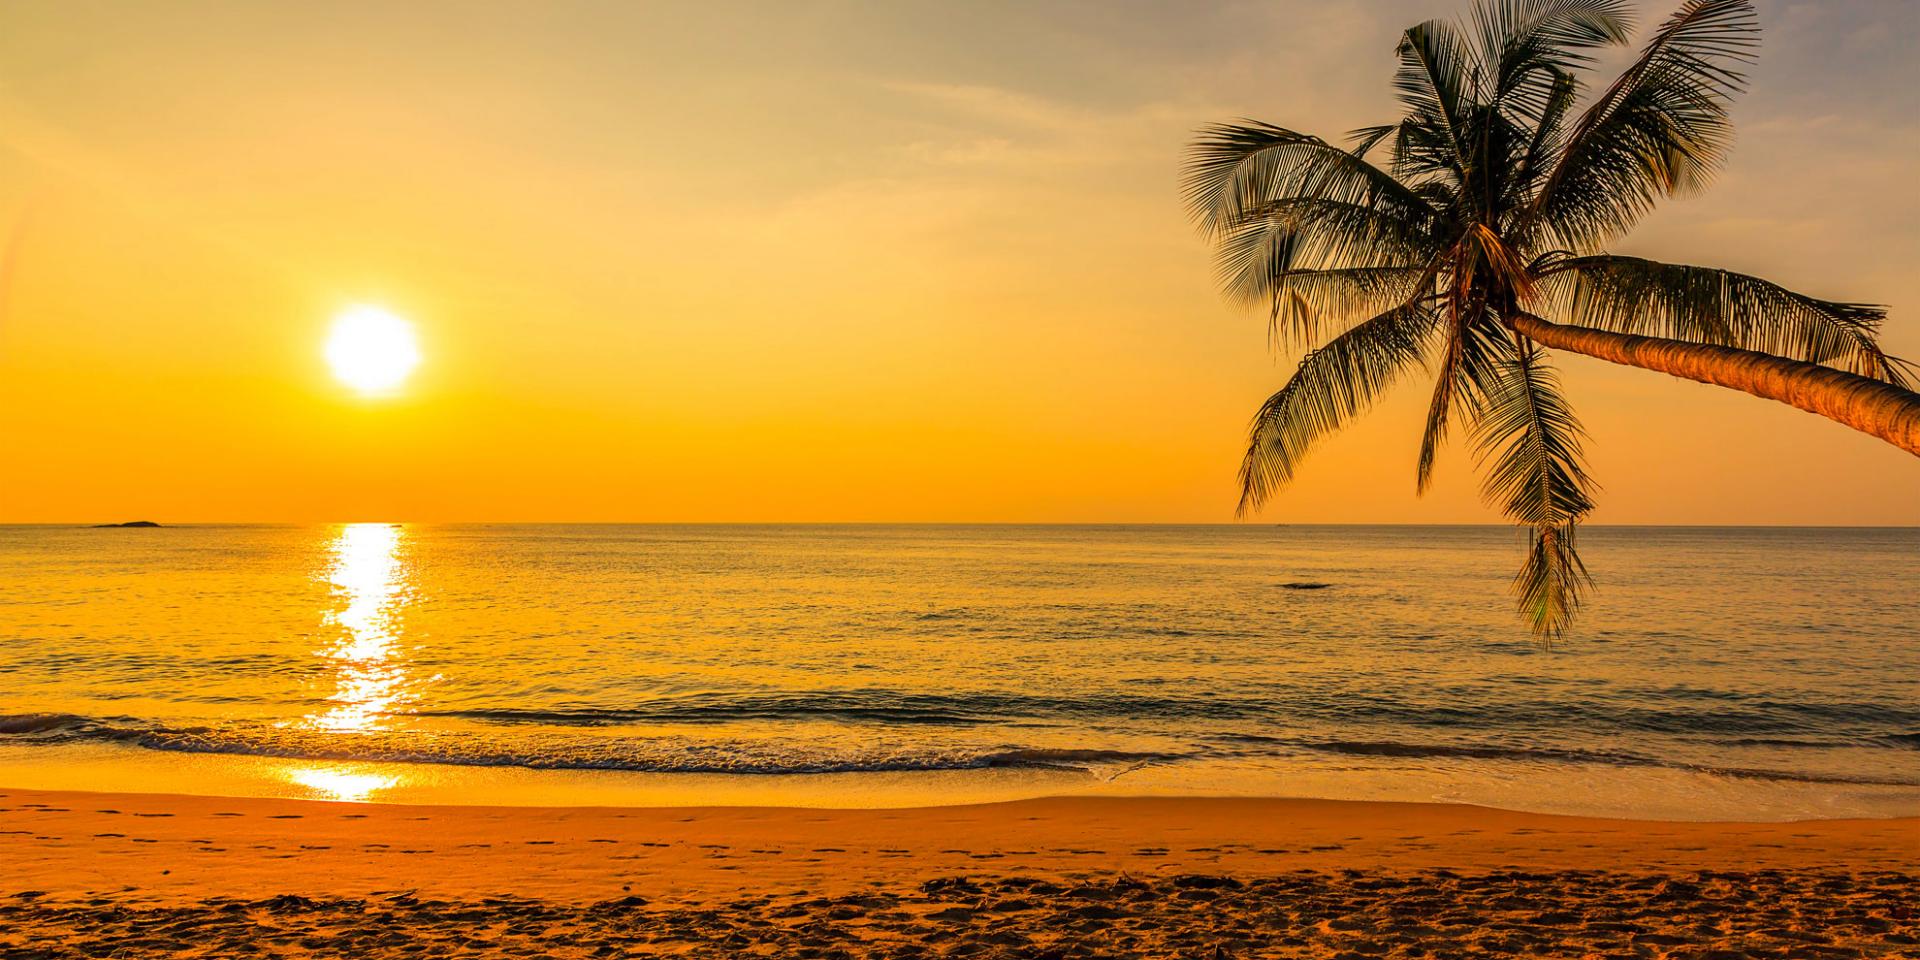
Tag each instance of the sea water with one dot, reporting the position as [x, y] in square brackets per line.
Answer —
[1715, 673]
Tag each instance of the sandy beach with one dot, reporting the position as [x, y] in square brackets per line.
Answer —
[86, 874]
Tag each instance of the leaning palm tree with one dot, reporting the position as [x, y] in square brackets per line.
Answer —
[1501, 187]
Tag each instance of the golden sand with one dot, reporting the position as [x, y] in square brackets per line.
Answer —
[84, 874]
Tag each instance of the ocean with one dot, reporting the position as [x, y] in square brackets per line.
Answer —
[1716, 673]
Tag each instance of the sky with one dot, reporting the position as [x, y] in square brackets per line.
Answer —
[806, 261]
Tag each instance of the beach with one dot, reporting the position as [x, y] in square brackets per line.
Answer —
[86, 874]
[923, 742]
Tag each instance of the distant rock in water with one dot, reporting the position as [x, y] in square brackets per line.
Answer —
[129, 523]
[1306, 585]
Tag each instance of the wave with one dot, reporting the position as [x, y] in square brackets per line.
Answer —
[38, 722]
[1729, 717]
[1549, 712]
[851, 708]
[654, 755]
[1563, 755]
[675, 754]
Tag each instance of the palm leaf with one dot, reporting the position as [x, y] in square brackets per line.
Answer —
[1436, 78]
[1529, 444]
[1660, 129]
[1708, 305]
[1330, 386]
[1234, 170]
[1548, 135]
[1305, 304]
[1533, 44]
[1475, 346]
[1288, 236]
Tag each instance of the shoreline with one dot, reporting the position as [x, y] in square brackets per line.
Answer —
[1579, 790]
[156, 875]
[157, 847]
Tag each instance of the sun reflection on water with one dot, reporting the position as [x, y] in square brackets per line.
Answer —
[345, 785]
[370, 679]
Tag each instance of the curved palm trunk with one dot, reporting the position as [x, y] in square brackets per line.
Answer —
[1869, 406]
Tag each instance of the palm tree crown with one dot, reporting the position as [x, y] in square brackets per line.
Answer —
[1501, 185]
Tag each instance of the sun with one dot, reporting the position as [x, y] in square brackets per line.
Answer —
[371, 350]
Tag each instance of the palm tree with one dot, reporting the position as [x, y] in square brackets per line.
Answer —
[1502, 185]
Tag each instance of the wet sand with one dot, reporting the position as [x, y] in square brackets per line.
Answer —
[87, 874]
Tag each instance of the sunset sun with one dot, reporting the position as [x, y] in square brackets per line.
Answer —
[371, 350]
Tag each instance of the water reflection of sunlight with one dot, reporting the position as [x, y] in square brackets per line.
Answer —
[370, 678]
[332, 784]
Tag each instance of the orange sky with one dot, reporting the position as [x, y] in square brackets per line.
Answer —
[810, 261]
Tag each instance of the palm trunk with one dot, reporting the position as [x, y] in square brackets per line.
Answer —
[1867, 405]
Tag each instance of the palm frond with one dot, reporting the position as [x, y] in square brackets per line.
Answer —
[1307, 304]
[1530, 446]
[1549, 133]
[1365, 139]
[1331, 386]
[1437, 81]
[1532, 44]
[1660, 129]
[1287, 236]
[1476, 347]
[1233, 170]
[1708, 305]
